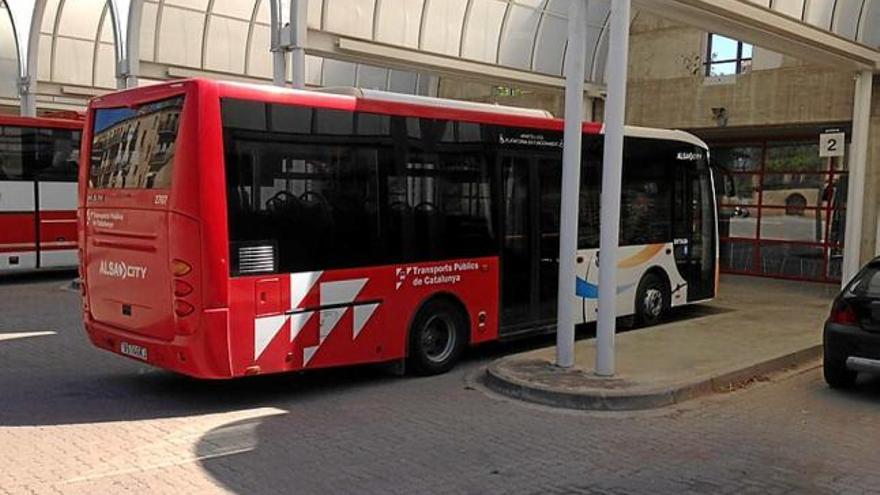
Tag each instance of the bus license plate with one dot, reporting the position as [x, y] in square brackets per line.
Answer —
[135, 351]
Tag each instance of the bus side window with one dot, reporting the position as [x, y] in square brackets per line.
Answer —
[11, 163]
[307, 184]
[466, 199]
[646, 191]
[318, 182]
[439, 200]
[591, 177]
[56, 155]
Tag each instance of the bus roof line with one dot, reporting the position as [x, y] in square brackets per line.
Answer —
[378, 95]
[671, 134]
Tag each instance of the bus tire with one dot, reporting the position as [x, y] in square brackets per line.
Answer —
[437, 337]
[652, 300]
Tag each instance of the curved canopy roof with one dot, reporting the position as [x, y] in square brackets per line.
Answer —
[77, 39]
[857, 20]
[76, 45]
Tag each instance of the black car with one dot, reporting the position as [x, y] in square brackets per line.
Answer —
[852, 332]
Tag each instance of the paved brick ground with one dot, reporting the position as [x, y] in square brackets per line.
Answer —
[78, 420]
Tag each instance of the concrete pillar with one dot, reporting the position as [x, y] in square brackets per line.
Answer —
[27, 91]
[289, 37]
[857, 174]
[277, 34]
[612, 173]
[126, 16]
[299, 11]
[571, 173]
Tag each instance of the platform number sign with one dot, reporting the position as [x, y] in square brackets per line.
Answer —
[832, 143]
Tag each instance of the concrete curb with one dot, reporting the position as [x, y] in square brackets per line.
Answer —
[499, 381]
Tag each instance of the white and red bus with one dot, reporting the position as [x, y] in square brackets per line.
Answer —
[39, 159]
[231, 229]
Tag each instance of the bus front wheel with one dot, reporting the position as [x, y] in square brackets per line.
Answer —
[437, 337]
[652, 300]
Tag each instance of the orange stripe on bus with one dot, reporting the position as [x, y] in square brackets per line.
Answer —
[642, 256]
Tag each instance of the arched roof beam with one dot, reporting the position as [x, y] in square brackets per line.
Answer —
[322, 43]
[27, 17]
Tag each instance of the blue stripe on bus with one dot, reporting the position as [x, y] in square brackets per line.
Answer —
[591, 291]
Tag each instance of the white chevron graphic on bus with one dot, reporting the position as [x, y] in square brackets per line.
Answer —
[336, 293]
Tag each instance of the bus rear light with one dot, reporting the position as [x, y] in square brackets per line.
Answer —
[183, 308]
[182, 288]
[180, 268]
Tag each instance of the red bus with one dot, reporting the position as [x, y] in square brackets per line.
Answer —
[231, 229]
[39, 160]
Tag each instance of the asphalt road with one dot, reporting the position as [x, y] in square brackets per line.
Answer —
[74, 419]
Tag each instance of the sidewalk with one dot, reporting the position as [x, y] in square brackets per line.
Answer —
[755, 327]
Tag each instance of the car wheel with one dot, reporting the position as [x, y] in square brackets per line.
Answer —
[437, 337]
[652, 300]
[837, 375]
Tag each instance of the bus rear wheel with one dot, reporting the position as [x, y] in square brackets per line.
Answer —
[437, 337]
[652, 300]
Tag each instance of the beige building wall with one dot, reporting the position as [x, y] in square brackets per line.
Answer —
[662, 50]
[785, 96]
[550, 99]
[668, 86]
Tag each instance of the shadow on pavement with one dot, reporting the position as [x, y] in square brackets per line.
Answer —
[100, 387]
[866, 391]
[47, 275]
[380, 447]
[91, 386]
[63, 380]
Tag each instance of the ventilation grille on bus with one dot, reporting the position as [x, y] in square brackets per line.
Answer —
[256, 259]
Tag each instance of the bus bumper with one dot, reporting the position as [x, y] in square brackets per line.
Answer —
[197, 355]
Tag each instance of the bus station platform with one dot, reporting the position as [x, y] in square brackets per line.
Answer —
[754, 328]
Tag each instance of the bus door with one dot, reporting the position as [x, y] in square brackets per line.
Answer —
[55, 156]
[18, 247]
[530, 246]
[693, 229]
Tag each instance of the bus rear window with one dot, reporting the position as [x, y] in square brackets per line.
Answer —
[133, 148]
